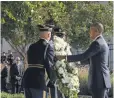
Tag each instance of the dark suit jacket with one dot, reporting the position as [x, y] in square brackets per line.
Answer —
[10, 59]
[3, 59]
[98, 51]
[3, 78]
[13, 73]
[35, 77]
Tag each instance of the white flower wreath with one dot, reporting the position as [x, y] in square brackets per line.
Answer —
[68, 81]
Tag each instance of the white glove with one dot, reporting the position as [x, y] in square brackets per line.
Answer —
[18, 78]
[47, 82]
[78, 62]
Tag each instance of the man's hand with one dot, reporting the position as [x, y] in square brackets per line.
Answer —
[60, 57]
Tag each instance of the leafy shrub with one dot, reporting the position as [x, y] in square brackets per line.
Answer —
[7, 95]
[83, 78]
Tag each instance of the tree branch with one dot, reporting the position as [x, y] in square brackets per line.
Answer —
[15, 48]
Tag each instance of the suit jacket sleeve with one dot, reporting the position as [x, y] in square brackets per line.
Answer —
[84, 62]
[49, 61]
[4, 73]
[92, 50]
[14, 71]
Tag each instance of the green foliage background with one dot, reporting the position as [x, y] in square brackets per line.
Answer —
[19, 20]
[83, 78]
[7, 95]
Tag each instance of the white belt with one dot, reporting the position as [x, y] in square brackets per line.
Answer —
[36, 65]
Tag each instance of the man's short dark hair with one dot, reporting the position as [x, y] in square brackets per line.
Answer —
[99, 27]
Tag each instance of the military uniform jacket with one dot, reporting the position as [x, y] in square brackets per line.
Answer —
[42, 53]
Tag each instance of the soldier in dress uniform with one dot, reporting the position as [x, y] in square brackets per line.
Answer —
[40, 61]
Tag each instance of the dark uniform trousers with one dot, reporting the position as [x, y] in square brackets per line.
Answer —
[34, 93]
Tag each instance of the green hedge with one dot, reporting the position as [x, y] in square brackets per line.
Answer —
[83, 78]
[7, 95]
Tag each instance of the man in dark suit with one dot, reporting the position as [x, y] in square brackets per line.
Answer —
[40, 60]
[97, 53]
[3, 58]
[10, 58]
[3, 77]
[15, 77]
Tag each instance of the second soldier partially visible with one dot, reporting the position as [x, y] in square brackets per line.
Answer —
[40, 61]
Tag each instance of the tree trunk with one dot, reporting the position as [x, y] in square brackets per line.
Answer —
[25, 62]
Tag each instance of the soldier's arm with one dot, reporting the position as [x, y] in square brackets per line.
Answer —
[49, 61]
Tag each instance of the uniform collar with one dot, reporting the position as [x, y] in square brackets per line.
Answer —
[45, 40]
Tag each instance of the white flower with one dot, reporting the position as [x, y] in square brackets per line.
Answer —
[70, 86]
[59, 43]
[70, 75]
[60, 64]
[68, 50]
[63, 81]
[64, 75]
[57, 46]
[63, 64]
[67, 79]
[68, 71]
[75, 81]
[61, 70]
[75, 71]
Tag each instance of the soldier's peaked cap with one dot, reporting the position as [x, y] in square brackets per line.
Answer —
[43, 28]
